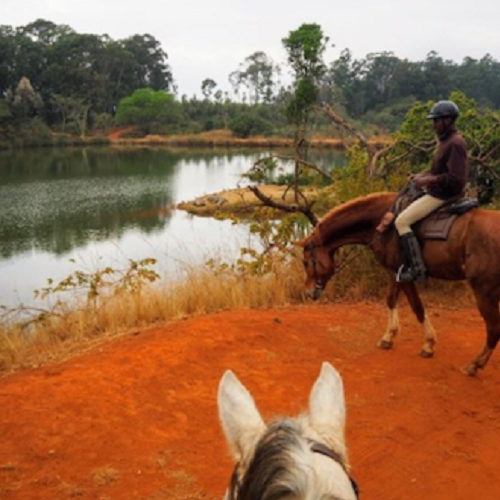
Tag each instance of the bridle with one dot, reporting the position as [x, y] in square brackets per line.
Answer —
[318, 283]
[351, 255]
[320, 448]
[316, 447]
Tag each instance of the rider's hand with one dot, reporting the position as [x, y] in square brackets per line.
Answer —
[386, 221]
[423, 180]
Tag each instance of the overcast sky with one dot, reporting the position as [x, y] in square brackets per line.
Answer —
[209, 39]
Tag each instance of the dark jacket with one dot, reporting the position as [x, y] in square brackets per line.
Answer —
[450, 166]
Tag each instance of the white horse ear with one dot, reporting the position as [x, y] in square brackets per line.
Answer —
[327, 411]
[241, 421]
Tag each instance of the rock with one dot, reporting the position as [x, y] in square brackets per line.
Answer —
[216, 199]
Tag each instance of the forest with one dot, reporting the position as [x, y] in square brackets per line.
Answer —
[53, 79]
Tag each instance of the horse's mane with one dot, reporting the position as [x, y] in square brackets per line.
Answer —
[346, 210]
[274, 473]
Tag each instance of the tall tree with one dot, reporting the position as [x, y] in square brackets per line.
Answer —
[305, 47]
[151, 68]
[259, 75]
[25, 102]
[207, 87]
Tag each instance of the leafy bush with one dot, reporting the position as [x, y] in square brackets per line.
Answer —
[246, 125]
[150, 110]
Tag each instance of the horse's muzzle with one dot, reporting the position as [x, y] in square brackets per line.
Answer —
[316, 292]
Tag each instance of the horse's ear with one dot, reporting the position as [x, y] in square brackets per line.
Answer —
[327, 411]
[241, 421]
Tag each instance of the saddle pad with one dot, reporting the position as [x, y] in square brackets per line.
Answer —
[436, 226]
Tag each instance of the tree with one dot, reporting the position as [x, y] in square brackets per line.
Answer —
[150, 68]
[45, 32]
[25, 102]
[246, 125]
[72, 109]
[437, 72]
[79, 113]
[259, 75]
[415, 143]
[7, 59]
[5, 113]
[149, 109]
[305, 47]
[207, 87]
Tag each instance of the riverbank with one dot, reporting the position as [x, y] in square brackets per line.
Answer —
[48, 140]
[241, 201]
[225, 138]
[73, 327]
[211, 139]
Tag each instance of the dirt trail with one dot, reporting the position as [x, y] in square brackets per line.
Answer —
[116, 134]
[137, 419]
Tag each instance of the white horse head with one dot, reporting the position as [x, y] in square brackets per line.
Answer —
[304, 458]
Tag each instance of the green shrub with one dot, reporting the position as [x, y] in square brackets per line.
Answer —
[246, 125]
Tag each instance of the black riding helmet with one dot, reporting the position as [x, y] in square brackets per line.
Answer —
[442, 109]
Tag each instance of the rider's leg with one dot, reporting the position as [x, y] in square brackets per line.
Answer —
[420, 208]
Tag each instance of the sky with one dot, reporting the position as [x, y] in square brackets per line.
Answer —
[210, 39]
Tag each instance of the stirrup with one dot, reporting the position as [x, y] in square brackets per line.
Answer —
[409, 274]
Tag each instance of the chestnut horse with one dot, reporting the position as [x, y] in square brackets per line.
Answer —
[472, 253]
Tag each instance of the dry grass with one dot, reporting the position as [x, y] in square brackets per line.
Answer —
[242, 201]
[217, 138]
[72, 491]
[199, 290]
[8, 467]
[105, 476]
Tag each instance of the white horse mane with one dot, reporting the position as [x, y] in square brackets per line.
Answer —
[277, 461]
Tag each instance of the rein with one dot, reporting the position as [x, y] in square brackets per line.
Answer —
[328, 452]
[351, 255]
[315, 447]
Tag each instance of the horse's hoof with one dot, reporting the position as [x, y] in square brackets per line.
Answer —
[426, 354]
[470, 370]
[385, 344]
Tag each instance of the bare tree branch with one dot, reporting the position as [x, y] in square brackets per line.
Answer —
[269, 202]
[349, 127]
[423, 146]
[486, 165]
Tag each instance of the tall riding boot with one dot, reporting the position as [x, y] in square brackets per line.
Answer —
[413, 268]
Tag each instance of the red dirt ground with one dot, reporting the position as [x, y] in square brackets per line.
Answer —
[137, 418]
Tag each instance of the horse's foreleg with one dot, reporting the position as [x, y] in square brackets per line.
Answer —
[430, 338]
[487, 303]
[393, 326]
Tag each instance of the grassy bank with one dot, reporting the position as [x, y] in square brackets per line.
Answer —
[28, 138]
[241, 201]
[22, 141]
[225, 138]
[199, 290]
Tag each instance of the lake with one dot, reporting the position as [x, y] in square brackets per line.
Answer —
[102, 206]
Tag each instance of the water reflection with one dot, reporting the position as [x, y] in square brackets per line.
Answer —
[55, 202]
[103, 205]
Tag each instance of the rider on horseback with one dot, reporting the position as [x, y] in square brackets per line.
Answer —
[445, 180]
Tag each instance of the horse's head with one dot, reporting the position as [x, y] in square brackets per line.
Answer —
[291, 459]
[319, 264]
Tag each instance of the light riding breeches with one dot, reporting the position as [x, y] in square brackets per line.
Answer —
[419, 209]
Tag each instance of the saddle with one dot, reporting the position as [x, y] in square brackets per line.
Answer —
[437, 225]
